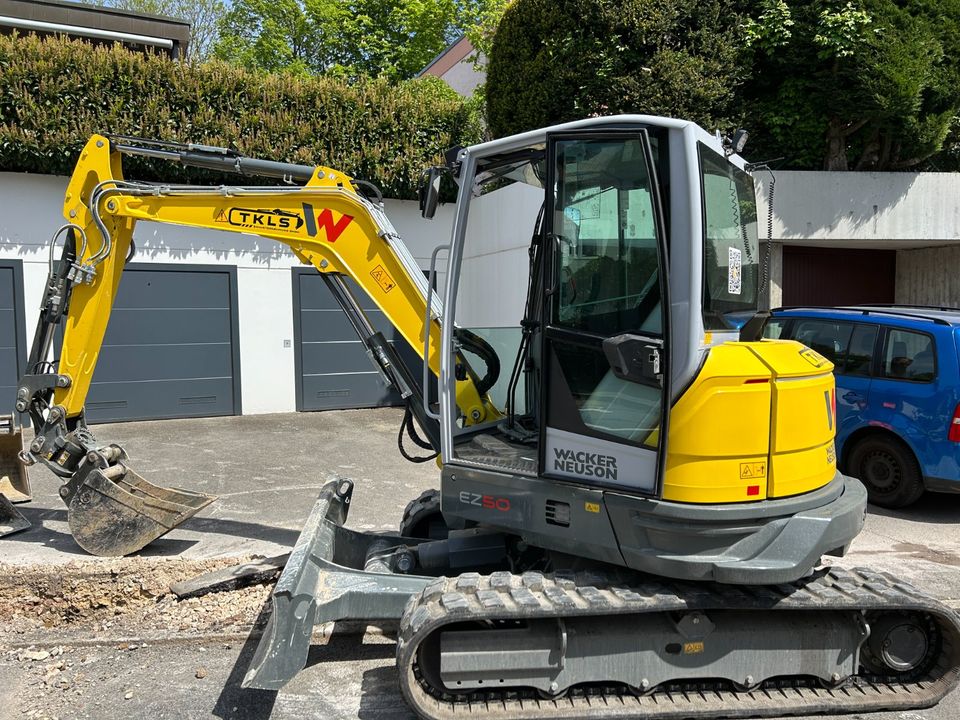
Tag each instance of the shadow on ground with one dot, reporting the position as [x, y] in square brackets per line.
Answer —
[235, 701]
[42, 534]
[932, 508]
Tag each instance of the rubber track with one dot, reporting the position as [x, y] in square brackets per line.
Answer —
[427, 502]
[504, 596]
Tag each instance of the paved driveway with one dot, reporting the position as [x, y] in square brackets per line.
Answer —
[267, 470]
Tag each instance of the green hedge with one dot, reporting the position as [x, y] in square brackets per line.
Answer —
[54, 94]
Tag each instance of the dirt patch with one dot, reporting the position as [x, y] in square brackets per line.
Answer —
[122, 598]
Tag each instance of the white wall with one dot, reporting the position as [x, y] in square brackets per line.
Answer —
[30, 207]
[892, 210]
[464, 77]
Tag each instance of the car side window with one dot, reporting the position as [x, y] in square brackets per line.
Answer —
[909, 356]
[859, 357]
[774, 329]
[827, 337]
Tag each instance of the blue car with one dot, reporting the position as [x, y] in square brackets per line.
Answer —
[898, 393]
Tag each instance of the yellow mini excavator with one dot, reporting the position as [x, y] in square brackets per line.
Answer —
[631, 516]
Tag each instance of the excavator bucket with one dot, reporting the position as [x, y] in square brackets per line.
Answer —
[14, 482]
[115, 512]
[11, 520]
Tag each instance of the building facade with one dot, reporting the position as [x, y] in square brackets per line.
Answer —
[137, 31]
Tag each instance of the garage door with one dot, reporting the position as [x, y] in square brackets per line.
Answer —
[838, 276]
[171, 348]
[12, 332]
[333, 370]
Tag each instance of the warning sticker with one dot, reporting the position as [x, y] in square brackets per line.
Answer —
[749, 471]
[591, 507]
[221, 217]
[385, 282]
[734, 271]
[692, 648]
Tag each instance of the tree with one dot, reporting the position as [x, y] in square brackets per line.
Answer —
[838, 85]
[203, 16]
[392, 38]
[478, 20]
[558, 60]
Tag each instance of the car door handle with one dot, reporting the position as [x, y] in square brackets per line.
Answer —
[853, 397]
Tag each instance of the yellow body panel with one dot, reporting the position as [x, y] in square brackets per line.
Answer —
[713, 431]
[802, 457]
[758, 422]
[326, 224]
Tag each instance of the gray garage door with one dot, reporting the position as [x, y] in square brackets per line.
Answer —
[333, 370]
[12, 335]
[171, 348]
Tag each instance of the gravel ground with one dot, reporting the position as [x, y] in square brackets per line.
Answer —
[119, 599]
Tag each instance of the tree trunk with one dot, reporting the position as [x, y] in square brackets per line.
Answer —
[870, 158]
[836, 158]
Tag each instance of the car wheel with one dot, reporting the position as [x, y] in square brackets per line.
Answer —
[889, 470]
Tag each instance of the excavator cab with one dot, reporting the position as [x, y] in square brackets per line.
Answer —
[571, 288]
[614, 264]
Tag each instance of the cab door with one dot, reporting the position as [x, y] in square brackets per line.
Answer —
[605, 323]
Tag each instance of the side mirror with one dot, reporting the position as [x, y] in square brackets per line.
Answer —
[430, 191]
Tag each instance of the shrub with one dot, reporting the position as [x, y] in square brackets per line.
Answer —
[558, 60]
[54, 94]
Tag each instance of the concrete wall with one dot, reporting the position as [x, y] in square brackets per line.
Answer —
[30, 207]
[852, 209]
[917, 214]
[929, 276]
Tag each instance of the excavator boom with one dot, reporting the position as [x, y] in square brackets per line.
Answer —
[325, 221]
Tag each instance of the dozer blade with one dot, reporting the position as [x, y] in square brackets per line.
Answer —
[11, 520]
[327, 579]
[14, 481]
[116, 512]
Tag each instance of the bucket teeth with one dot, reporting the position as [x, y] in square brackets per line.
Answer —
[116, 512]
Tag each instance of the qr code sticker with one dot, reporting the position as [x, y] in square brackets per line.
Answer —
[734, 271]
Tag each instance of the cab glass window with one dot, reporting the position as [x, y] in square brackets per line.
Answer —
[607, 239]
[730, 246]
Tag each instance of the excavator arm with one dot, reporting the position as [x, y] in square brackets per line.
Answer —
[325, 221]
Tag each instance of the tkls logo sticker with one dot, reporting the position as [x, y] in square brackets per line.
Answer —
[287, 221]
[262, 219]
